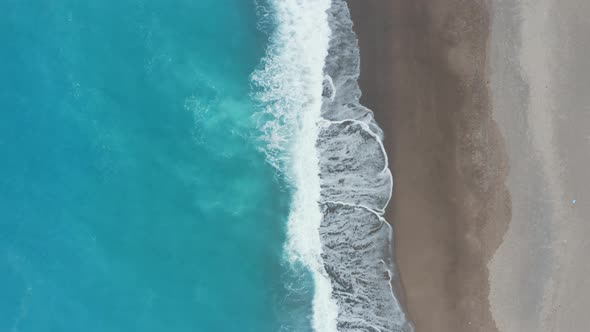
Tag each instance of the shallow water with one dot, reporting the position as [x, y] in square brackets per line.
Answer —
[134, 196]
[202, 166]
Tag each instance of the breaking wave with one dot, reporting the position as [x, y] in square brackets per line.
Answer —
[330, 148]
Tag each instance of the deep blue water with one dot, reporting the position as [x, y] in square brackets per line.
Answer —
[133, 195]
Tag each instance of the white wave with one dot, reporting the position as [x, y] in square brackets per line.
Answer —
[291, 80]
[331, 150]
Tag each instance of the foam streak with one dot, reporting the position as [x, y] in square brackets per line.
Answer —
[331, 149]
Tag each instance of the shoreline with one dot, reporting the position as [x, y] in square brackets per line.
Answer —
[356, 240]
[424, 74]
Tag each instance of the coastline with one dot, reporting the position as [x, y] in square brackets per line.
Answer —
[355, 189]
[461, 88]
[424, 74]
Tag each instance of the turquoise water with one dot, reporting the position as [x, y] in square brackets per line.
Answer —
[133, 193]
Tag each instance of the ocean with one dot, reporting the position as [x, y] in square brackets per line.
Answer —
[201, 165]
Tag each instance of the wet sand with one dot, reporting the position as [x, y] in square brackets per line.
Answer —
[424, 74]
[486, 111]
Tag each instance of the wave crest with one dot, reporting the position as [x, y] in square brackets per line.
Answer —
[290, 83]
[331, 149]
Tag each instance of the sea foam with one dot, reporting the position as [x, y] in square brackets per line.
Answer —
[290, 79]
[331, 149]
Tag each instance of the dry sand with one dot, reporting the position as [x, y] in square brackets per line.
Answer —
[486, 110]
[540, 83]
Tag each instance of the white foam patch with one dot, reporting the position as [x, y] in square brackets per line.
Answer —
[291, 80]
[331, 150]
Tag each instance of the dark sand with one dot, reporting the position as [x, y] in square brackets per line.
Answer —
[423, 73]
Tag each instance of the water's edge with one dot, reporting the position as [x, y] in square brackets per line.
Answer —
[330, 148]
[356, 186]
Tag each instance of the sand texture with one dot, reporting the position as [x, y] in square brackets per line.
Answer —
[486, 111]
[540, 83]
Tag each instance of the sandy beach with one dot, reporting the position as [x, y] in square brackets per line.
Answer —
[540, 77]
[487, 121]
